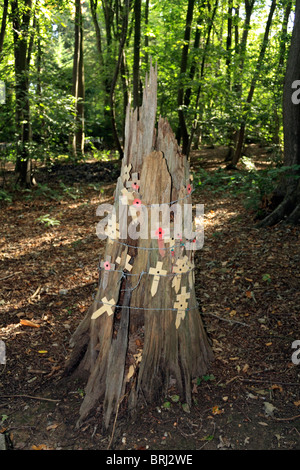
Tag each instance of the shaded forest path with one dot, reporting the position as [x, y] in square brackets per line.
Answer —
[247, 282]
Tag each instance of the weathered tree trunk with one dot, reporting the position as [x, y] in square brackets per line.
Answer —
[143, 330]
[287, 194]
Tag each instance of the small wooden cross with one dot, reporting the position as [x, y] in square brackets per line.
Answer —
[181, 305]
[108, 266]
[127, 265]
[126, 172]
[127, 197]
[108, 306]
[156, 272]
[134, 184]
[112, 231]
[181, 267]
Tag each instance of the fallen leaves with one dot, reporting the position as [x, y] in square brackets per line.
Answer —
[29, 323]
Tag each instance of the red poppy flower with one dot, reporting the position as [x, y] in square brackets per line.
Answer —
[107, 266]
[137, 203]
[159, 232]
[135, 186]
[189, 188]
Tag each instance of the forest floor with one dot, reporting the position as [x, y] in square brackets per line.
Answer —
[247, 281]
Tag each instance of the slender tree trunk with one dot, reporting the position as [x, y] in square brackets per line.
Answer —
[146, 37]
[229, 43]
[151, 334]
[21, 23]
[188, 93]
[116, 74]
[78, 84]
[182, 132]
[204, 56]
[93, 7]
[3, 26]
[241, 135]
[136, 53]
[287, 196]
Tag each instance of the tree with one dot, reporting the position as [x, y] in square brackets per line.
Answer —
[136, 53]
[143, 330]
[3, 25]
[78, 83]
[287, 196]
[241, 133]
[21, 15]
[182, 129]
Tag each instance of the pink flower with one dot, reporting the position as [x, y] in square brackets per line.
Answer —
[107, 266]
[189, 188]
[159, 232]
[137, 203]
[135, 186]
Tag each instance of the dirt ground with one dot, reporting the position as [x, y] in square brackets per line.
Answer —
[247, 282]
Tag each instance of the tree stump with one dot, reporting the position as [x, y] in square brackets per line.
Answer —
[143, 331]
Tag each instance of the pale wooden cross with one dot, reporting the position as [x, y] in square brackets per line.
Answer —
[112, 231]
[108, 266]
[126, 172]
[156, 272]
[181, 267]
[108, 306]
[127, 265]
[127, 197]
[181, 305]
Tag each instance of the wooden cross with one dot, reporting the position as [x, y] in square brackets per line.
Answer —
[181, 305]
[181, 267]
[156, 272]
[134, 184]
[191, 269]
[112, 231]
[126, 172]
[127, 197]
[127, 265]
[108, 266]
[108, 306]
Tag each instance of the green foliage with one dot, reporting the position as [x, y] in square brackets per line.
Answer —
[253, 185]
[47, 220]
[5, 196]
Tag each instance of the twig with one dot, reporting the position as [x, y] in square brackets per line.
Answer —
[10, 275]
[115, 422]
[225, 319]
[29, 396]
[287, 419]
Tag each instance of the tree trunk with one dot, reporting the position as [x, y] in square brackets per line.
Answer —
[133, 342]
[21, 23]
[136, 53]
[3, 25]
[78, 84]
[287, 195]
[241, 134]
[182, 132]
[202, 68]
